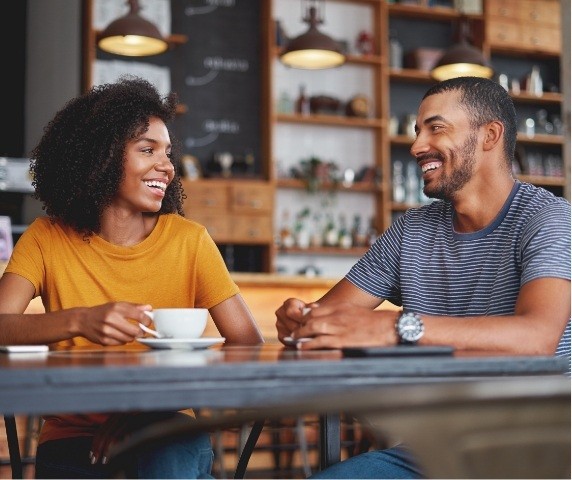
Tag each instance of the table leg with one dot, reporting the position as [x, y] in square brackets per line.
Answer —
[330, 440]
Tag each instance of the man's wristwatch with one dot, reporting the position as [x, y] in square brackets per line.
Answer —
[409, 328]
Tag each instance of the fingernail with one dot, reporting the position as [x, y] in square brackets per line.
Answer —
[104, 460]
[93, 459]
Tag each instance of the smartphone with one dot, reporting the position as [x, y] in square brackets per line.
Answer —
[24, 348]
[398, 351]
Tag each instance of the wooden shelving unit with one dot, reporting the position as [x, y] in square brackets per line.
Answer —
[387, 78]
[389, 85]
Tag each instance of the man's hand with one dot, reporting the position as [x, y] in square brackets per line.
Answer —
[290, 316]
[338, 325]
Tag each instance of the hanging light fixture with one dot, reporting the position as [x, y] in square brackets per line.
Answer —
[132, 35]
[312, 50]
[462, 60]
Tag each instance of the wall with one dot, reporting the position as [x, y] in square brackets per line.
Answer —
[53, 62]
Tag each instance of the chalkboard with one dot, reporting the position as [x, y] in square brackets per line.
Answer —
[217, 75]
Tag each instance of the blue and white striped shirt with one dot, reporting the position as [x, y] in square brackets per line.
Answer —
[420, 262]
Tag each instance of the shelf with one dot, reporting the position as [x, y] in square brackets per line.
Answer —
[547, 98]
[411, 75]
[404, 140]
[540, 139]
[402, 207]
[334, 120]
[358, 187]
[333, 251]
[523, 52]
[543, 181]
[429, 13]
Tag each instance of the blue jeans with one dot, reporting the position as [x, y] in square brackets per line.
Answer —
[69, 458]
[396, 462]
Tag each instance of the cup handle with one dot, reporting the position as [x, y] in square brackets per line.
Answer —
[149, 314]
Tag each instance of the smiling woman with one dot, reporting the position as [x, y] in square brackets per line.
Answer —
[114, 245]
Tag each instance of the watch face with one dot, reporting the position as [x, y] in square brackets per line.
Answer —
[410, 327]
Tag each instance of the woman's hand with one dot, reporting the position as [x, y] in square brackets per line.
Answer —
[111, 323]
[118, 427]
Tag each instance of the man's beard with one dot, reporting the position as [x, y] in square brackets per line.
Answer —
[463, 161]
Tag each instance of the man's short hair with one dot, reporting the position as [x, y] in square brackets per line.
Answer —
[485, 101]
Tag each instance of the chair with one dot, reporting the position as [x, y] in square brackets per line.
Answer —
[517, 427]
[16, 460]
[13, 446]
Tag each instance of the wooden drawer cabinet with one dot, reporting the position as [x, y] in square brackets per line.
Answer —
[252, 229]
[218, 226]
[232, 211]
[202, 196]
[504, 33]
[252, 198]
[524, 24]
[546, 12]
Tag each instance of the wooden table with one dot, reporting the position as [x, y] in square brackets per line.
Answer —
[84, 380]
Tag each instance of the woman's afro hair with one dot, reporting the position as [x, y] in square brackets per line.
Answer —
[77, 166]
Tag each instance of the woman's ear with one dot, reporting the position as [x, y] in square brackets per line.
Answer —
[494, 132]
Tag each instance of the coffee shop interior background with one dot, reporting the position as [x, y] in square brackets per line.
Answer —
[294, 171]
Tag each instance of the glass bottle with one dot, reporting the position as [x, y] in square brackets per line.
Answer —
[412, 184]
[330, 232]
[286, 237]
[302, 102]
[398, 182]
[371, 235]
[395, 52]
[344, 238]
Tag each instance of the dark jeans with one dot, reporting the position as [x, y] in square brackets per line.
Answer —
[69, 458]
[396, 462]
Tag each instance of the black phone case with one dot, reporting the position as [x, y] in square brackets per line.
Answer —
[398, 351]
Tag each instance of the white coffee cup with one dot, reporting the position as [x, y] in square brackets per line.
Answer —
[180, 322]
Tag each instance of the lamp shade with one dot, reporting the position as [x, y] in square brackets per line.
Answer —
[132, 35]
[312, 50]
[462, 60]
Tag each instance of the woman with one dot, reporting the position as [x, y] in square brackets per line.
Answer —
[114, 244]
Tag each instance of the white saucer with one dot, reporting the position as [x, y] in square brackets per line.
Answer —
[181, 343]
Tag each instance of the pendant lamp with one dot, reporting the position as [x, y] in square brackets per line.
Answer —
[462, 60]
[312, 50]
[132, 35]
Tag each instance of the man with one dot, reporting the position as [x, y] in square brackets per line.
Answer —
[487, 267]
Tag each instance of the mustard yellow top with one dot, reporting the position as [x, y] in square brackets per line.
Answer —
[177, 265]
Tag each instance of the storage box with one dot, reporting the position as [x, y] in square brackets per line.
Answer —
[423, 58]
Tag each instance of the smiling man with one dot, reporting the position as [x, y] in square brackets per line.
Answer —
[485, 267]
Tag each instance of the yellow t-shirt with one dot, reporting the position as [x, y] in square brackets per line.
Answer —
[177, 265]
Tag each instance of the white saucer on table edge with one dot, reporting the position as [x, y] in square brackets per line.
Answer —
[181, 343]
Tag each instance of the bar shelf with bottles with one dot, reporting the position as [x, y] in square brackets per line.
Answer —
[359, 187]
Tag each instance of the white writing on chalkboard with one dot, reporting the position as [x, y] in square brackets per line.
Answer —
[221, 126]
[228, 64]
[209, 7]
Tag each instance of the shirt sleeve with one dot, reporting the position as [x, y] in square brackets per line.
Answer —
[545, 245]
[27, 256]
[377, 272]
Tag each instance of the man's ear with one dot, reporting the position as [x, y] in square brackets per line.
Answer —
[494, 132]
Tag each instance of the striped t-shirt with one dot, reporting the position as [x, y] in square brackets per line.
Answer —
[421, 263]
